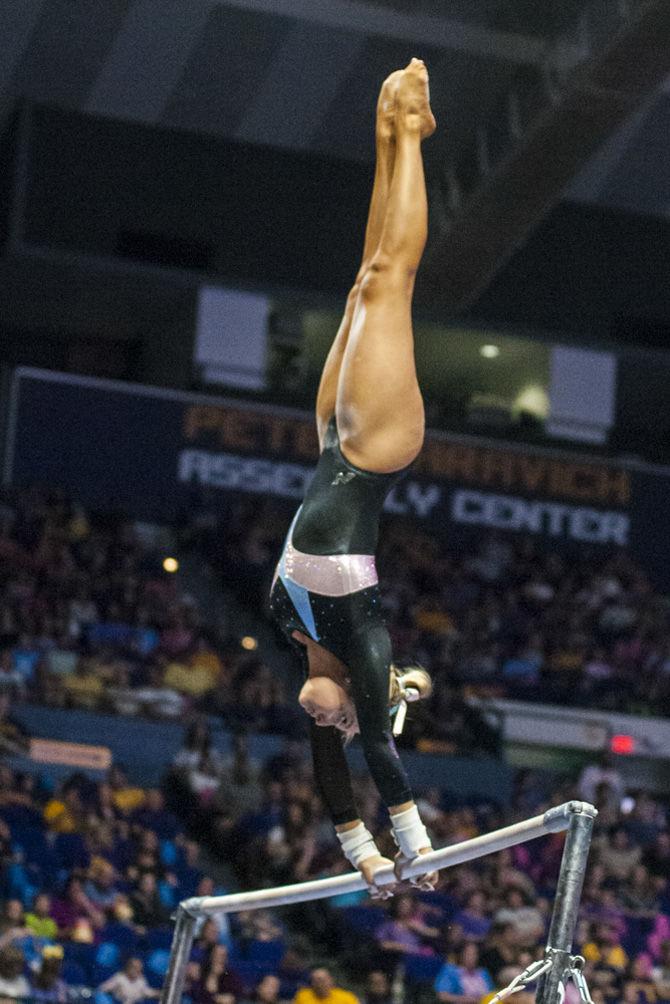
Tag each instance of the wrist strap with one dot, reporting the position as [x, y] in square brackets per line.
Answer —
[357, 844]
[409, 832]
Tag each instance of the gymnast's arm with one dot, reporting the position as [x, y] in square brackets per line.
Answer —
[333, 781]
[369, 661]
[331, 773]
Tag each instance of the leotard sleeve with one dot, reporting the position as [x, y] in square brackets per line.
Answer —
[331, 773]
[369, 662]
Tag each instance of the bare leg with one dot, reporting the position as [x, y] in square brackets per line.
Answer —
[385, 142]
[379, 409]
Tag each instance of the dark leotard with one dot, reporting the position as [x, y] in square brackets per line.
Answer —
[340, 517]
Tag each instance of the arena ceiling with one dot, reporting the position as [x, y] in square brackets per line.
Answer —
[303, 74]
[296, 73]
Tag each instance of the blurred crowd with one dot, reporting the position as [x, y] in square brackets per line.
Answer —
[487, 920]
[492, 616]
[90, 618]
[92, 869]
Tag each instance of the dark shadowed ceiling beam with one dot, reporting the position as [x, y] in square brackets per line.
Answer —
[470, 246]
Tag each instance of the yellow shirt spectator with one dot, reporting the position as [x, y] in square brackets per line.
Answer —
[322, 990]
[41, 927]
[127, 799]
[192, 680]
[609, 955]
[209, 660]
[59, 817]
[83, 688]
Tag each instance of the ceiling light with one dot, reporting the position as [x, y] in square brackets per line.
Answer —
[489, 351]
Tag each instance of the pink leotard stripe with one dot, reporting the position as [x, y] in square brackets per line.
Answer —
[330, 574]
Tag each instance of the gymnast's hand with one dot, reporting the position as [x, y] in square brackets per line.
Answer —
[426, 883]
[367, 868]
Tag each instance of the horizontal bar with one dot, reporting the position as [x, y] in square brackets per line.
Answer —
[551, 821]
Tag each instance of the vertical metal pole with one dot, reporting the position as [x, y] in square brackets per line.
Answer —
[182, 940]
[566, 905]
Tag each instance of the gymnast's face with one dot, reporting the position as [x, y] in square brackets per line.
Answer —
[328, 704]
[322, 696]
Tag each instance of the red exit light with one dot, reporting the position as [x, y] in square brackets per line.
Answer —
[622, 744]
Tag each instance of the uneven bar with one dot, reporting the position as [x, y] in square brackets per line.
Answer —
[468, 850]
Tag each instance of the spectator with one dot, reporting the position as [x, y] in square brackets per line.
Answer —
[259, 925]
[639, 896]
[218, 984]
[13, 736]
[148, 909]
[207, 887]
[406, 932]
[322, 990]
[65, 813]
[146, 857]
[197, 744]
[377, 988]
[596, 774]
[129, 985]
[464, 982]
[76, 916]
[501, 948]
[641, 981]
[660, 973]
[101, 888]
[657, 857]
[12, 981]
[208, 936]
[47, 985]
[125, 796]
[11, 680]
[605, 948]
[84, 688]
[12, 921]
[153, 815]
[474, 919]
[526, 917]
[504, 977]
[618, 854]
[39, 919]
[267, 990]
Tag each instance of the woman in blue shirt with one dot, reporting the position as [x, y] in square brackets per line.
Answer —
[465, 982]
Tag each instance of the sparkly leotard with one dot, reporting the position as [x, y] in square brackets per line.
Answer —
[326, 587]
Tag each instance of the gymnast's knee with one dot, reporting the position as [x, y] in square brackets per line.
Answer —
[387, 274]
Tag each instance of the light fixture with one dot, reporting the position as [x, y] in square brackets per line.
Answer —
[489, 351]
[248, 643]
[170, 565]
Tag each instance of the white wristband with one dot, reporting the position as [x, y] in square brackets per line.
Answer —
[409, 832]
[357, 844]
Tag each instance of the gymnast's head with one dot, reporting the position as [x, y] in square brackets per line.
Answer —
[325, 693]
[326, 697]
[328, 703]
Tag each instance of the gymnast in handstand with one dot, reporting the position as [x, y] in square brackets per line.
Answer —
[370, 423]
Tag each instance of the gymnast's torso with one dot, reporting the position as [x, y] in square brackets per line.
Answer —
[326, 582]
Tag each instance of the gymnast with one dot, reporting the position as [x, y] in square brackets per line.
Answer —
[370, 424]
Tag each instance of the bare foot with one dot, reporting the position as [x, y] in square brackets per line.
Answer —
[413, 99]
[386, 103]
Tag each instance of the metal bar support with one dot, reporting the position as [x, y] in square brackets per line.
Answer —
[182, 941]
[576, 817]
[566, 905]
